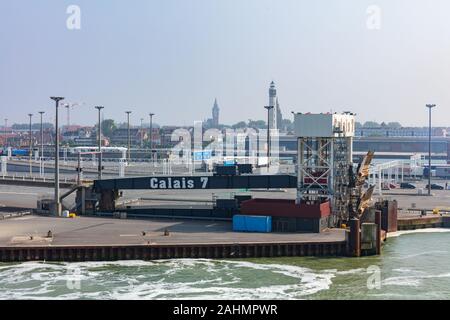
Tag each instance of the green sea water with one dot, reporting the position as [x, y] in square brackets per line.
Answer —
[412, 266]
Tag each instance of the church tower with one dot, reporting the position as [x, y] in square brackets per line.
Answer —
[215, 114]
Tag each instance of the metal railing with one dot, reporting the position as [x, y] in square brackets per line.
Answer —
[24, 177]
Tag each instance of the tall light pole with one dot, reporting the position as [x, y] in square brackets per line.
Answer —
[67, 105]
[142, 131]
[429, 106]
[6, 132]
[268, 134]
[57, 200]
[30, 146]
[128, 135]
[100, 154]
[151, 131]
[293, 121]
[42, 136]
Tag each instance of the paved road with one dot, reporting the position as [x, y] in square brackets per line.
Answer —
[408, 198]
[24, 197]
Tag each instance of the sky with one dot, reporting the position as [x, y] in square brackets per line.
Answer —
[174, 57]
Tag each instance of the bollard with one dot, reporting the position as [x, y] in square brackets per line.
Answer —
[355, 238]
[378, 223]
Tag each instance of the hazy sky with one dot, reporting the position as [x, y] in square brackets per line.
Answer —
[173, 57]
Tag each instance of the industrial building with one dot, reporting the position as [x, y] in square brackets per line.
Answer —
[388, 148]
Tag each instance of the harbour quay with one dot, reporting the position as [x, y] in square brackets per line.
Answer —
[37, 238]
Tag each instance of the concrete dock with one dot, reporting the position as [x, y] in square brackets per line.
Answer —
[90, 239]
[413, 221]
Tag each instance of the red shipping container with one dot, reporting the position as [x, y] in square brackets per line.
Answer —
[285, 208]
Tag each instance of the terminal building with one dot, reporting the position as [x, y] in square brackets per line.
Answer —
[385, 148]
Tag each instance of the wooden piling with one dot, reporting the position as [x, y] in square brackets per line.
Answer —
[355, 238]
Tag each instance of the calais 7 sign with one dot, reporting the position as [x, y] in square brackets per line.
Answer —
[179, 183]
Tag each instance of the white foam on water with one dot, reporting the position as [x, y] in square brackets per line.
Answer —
[402, 281]
[427, 230]
[27, 266]
[404, 270]
[351, 271]
[426, 253]
[112, 284]
[390, 295]
[122, 263]
[177, 279]
[412, 280]
[188, 291]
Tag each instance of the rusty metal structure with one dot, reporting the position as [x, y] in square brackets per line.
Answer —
[363, 197]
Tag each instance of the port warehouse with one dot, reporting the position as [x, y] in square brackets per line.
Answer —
[384, 147]
[438, 171]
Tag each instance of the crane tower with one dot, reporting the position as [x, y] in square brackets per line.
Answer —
[324, 160]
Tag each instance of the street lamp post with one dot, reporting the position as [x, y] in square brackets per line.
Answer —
[57, 200]
[30, 146]
[100, 154]
[67, 105]
[6, 132]
[128, 136]
[41, 153]
[268, 134]
[151, 134]
[429, 106]
[142, 133]
[293, 121]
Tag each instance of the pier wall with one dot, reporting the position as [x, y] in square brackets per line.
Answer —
[156, 252]
[424, 222]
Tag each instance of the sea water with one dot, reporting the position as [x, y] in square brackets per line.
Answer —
[413, 265]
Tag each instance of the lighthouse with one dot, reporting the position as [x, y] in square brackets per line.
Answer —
[273, 103]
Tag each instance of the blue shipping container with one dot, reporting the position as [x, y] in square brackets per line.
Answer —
[243, 223]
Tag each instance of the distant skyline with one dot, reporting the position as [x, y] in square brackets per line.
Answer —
[174, 57]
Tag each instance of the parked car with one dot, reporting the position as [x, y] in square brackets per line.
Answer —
[407, 185]
[385, 186]
[435, 187]
[388, 186]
